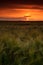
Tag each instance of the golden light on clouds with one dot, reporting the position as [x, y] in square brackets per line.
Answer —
[35, 14]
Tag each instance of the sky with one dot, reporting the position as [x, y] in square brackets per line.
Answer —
[21, 8]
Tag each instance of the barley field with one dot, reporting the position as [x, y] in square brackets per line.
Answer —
[21, 43]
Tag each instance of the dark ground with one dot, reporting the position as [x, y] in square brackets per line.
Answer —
[21, 43]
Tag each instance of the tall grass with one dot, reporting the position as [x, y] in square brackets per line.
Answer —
[21, 47]
[20, 52]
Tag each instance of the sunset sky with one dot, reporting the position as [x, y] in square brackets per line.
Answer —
[21, 8]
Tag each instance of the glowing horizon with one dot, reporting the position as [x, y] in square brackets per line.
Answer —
[35, 14]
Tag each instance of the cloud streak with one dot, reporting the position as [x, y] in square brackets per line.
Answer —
[36, 14]
[19, 6]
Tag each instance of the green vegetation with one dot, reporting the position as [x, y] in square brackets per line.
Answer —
[21, 45]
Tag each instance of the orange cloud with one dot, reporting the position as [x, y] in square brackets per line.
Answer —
[36, 14]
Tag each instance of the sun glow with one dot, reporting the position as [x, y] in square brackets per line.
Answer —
[27, 16]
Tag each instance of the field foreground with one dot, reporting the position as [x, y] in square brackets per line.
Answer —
[21, 43]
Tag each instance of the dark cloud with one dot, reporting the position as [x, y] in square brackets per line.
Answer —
[18, 3]
[37, 2]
